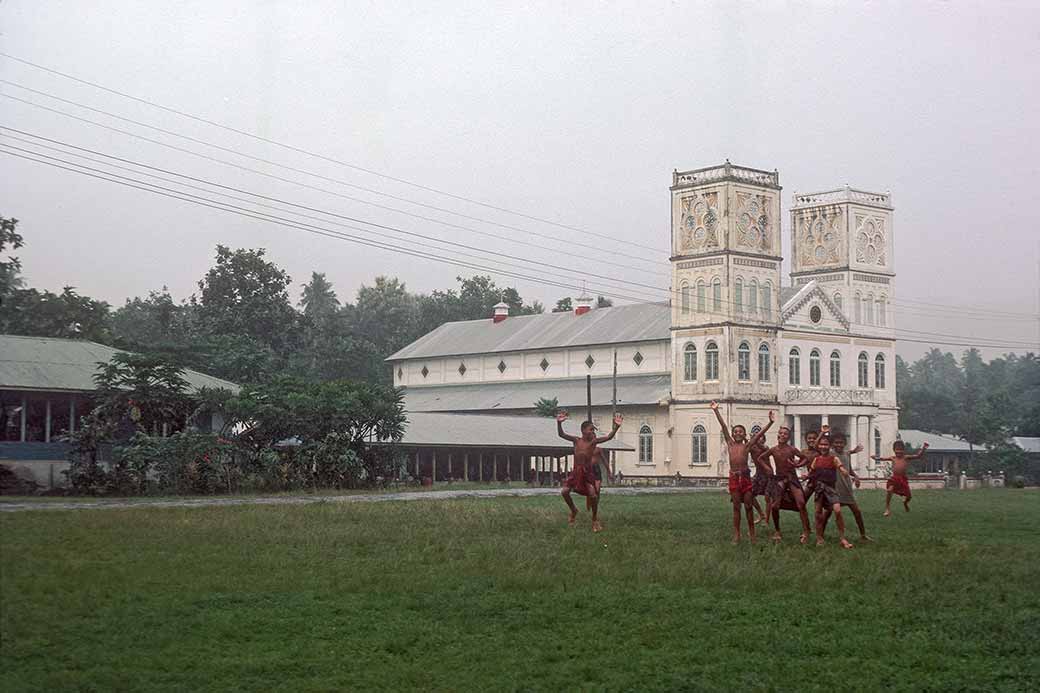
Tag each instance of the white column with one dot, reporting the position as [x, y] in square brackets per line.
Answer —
[797, 441]
[25, 404]
[465, 466]
[72, 414]
[433, 467]
[47, 426]
[853, 442]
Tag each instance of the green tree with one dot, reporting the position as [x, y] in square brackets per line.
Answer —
[603, 302]
[319, 300]
[564, 305]
[547, 407]
[46, 314]
[154, 323]
[9, 269]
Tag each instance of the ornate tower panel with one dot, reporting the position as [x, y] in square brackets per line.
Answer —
[843, 239]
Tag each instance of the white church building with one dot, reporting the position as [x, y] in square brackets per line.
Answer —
[820, 351]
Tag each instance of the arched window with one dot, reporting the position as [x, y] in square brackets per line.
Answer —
[869, 309]
[814, 368]
[835, 368]
[711, 361]
[857, 306]
[702, 304]
[881, 308]
[763, 363]
[690, 362]
[738, 295]
[794, 367]
[837, 302]
[752, 297]
[646, 445]
[700, 445]
[877, 442]
[743, 362]
[716, 295]
[767, 300]
[879, 372]
[684, 298]
[863, 368]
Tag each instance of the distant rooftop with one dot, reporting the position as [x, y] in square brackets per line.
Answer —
[1028, 444]
[725, 172]
[67, 365]
[936, 441]
[845, 194]
[638, 322]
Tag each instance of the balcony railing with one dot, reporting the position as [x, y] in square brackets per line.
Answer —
[828, 395]
[726, 171]
[845, 194]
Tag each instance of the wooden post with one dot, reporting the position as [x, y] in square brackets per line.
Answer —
[433, 467]
[481, 468]
[494, 466]
[417, 465]
[25, 404]
[555, 469]
[509, 474]
[449, 465]
[72, 414]
[465, 466]
[47, 425]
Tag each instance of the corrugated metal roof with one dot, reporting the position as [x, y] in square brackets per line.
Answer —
[637, 322]
[632, 389]
[1027, 443]
[482, 430]
[936, 442]
[45, 363]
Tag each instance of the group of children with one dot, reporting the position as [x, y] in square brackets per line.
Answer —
[830, 477]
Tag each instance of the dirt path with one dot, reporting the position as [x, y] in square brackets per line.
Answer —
[307, 500]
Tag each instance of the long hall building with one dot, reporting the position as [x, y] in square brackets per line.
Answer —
[820, 350]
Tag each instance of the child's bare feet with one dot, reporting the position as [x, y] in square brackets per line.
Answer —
[845, 543]
[804, 539]
[906, 505]
[777, 538]
[597, 527]
[736, 539]
[887, 513]
[864, 537]
[820, 542]
[573, 518]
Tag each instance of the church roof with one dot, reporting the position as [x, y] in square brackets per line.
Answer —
[47, 363]
[631, 390]
[637, 322]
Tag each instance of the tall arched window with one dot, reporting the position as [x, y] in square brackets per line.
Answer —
[863, 368]
[879, 372]
[646, 445]
[702, 303]
[857, 306]
[881, 309]
[700, 445]
[869, 309]
[763, 363]
[716, 295]
[794, 367]
[738, 295]
[711, 361]
[835, 368]
[767, 300]
[877, 442]
[752, 297]
[814, 368]
[837, 302]
[684, 300]
[743, 361]
[690, 362]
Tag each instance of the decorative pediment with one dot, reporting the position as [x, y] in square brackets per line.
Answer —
[806, 299]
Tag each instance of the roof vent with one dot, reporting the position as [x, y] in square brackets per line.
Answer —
[582, 305]
[501, 312]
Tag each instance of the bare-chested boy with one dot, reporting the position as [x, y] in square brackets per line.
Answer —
[786, 460]
[586, 454]
[846, 496]
[809, 452]
[898, 483]
[825, 470]
[762, 481]
[740, 487]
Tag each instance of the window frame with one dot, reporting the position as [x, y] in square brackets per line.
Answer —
[699, 443]
[794, 366]
[711, 361]
[646, 445]
[835, 368]
[690, 354]
[744, 362]
[767, 371]
[879, 370]
[814, 368]
[863, 370]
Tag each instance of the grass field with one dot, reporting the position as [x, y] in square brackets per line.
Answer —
[499, 594]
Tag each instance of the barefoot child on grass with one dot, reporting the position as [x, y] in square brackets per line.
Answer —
[825, 470]
[898, 483]
[740, 487]
[582, 479]
[846, 496]
[786, 461]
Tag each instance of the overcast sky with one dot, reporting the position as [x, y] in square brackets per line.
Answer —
[571, 112]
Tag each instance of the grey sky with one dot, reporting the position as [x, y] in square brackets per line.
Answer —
[575, 112]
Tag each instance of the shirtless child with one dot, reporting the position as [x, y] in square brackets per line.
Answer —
[846, 496]
[898, 482]
[740, 487]
[581, 479]
[809, 452]
[762, 481]
[786, 460]
[825, 470]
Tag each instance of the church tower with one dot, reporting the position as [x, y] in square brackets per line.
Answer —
[843, 239]
[725, 302]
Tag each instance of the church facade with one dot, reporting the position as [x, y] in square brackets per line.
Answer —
[820, 351]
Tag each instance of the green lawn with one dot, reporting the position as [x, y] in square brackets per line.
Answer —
[499, 594]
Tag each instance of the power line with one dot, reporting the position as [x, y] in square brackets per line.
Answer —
[322, 157]
[270, 162]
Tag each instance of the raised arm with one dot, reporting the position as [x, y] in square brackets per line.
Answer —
[761, 434]
[841, 468]
[882, 459]
[613, 431]
[560, 418]
[763, 459]
[918, 455]
[718, 415]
